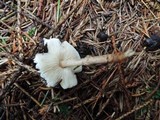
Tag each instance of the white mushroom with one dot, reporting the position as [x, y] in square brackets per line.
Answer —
[62, 61]
[49, 64]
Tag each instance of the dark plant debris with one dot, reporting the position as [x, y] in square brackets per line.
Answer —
[152, 43]
[102, 36]
[126, 90]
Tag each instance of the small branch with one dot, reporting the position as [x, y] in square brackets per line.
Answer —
[13, 59]
[84, 102]
[29, 68]
[149, 9]
[158, 85]
[33, 17]
[19, 25]
[29, 15]
[63, 20]
[65, 101]
[135, 109]
[107, 101]
[18, 17]
[8, 88]
[23, 90]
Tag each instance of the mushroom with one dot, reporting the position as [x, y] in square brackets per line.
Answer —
[62, 61]
[49, 64]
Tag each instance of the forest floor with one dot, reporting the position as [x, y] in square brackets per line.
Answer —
[125, 90]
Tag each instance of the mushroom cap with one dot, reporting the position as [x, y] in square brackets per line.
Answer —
[49, 63]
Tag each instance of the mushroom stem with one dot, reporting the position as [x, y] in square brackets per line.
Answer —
[98, 59]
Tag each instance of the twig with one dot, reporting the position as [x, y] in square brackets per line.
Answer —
[33, 17]
[107, 101]
[29, 68]
[157, 87]
[86, 111]
[18, 17]
[64, 101]
[63, 20]
[19, 25]
[103, 86]
[148, 8]
[84, 102]
[135, 109]
[24, 91]
[6, 73]
[10, 85]
[15, 60]
[29, 16]
[44, 98]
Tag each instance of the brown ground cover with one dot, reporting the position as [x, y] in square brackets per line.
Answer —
[125, 90]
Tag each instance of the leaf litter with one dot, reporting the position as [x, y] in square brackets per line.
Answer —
[125, 90]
